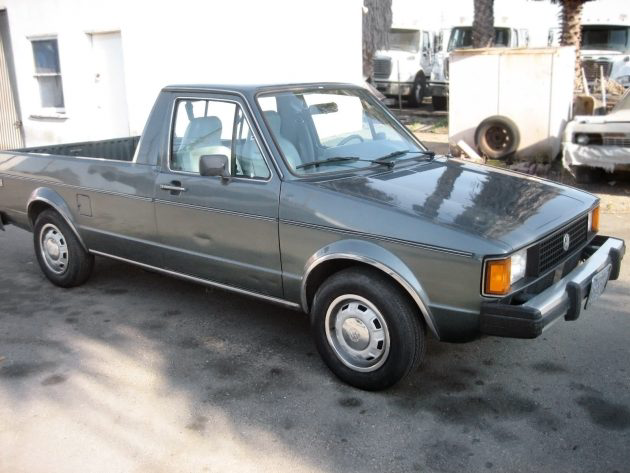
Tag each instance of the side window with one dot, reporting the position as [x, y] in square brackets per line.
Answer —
[248, 158]
[426, 43]
[48, 73]
[204, 127]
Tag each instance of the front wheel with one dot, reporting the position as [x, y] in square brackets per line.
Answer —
[366, 329]
[59, 253]
[417, 92]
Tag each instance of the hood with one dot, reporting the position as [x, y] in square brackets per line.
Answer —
[618, 116]
[482, 201]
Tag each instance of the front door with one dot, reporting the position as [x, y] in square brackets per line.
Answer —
[219, 229]
[110, 94]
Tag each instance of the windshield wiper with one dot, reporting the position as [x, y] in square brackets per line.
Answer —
[335, 159]
[388, 159]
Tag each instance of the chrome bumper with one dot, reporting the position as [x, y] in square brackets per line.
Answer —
[565, 298]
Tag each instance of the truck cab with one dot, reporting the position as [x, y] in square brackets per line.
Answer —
[404, 68]
[460, 37]
[606, 48]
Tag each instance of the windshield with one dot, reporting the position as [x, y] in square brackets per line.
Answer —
[347, 127]
[608, 38]
[461, 38]
[404, 40]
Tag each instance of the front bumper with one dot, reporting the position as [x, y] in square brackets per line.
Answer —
[393, 88]
[565, 298]
[609, 158]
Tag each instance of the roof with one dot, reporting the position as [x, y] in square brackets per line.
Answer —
[255, 88]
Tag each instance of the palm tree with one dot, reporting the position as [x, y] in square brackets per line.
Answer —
[377, 21]
[483, 24]
[570, 21]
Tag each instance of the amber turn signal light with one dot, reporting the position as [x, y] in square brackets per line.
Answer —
[595, 219]
[498, 276]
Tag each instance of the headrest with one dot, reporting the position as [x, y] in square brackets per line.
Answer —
[274, 120]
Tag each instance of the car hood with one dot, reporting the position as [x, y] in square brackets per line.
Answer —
[486, 202]
[599, 53]
[613, 117]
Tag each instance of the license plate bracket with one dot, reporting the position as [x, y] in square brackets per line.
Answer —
[598, 285]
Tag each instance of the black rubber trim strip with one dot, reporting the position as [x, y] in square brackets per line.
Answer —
[576, 296]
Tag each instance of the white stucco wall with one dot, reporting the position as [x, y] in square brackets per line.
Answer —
[188, 41]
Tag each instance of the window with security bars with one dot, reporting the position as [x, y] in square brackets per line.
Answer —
[48, 72]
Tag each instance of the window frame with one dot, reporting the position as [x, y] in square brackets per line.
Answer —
[315, 87]
[37, 75]
[169, 155]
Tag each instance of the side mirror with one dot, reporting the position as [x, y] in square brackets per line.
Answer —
[214, 165]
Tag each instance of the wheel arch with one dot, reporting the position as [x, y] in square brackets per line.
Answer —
[346, 253]
[44, 198]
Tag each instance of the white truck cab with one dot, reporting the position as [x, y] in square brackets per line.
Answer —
[605, 46]
[404, 68]
[460, 37]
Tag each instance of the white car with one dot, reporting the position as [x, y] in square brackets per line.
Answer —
[598, 142]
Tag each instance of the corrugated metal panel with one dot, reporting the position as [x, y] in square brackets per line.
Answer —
[10, 133]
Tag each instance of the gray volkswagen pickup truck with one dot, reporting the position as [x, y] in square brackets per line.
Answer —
[314, 197]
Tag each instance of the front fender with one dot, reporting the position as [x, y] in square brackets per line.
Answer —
[51, 198]
[378, 257]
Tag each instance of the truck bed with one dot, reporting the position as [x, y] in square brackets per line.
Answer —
[120, 149]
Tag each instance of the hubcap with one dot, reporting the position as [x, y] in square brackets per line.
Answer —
[357, 332]
[54, 248]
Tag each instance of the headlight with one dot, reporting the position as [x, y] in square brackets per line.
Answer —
[501, 274]
[593, 220]
[581, 139]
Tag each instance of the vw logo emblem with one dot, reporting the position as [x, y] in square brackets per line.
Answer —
[566, 241]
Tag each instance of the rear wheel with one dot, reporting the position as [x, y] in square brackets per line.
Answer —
[59, 253]
[366, 329]
[417, 92]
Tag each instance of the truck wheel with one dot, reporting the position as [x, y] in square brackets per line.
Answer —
[439, 103]
[582, 174]
[366, 329]
[497, 137]
[59, 254]
[417, 92]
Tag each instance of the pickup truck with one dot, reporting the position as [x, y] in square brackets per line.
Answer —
[315, 197]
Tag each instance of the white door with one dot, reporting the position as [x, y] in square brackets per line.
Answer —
[110, 95]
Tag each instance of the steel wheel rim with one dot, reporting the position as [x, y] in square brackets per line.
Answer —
[54, 249]
[357, 333]
[497, 138]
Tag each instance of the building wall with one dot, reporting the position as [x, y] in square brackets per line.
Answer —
[163, 42]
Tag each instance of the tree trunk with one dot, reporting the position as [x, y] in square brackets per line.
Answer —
[377, 20]
[483, 24]
[571, 17]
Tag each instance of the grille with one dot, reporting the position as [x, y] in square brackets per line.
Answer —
[591, 69]
[616, 140]
[382, 68]
[550, 251]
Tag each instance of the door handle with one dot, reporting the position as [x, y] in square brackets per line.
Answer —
[175, 186]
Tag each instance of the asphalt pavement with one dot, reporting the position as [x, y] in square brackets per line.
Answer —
[137, 372]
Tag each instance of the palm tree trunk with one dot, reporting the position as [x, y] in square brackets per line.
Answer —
[571, 17]
[483, 24]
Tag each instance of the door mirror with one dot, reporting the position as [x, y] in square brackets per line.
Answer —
[214, 165]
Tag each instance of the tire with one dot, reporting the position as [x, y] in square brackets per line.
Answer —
[417, 92]
[59, 253]
[377, 318]
[497, 137]
[582, 174]
[439, 103]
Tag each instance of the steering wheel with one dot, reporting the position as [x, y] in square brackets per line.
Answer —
[350, 138]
